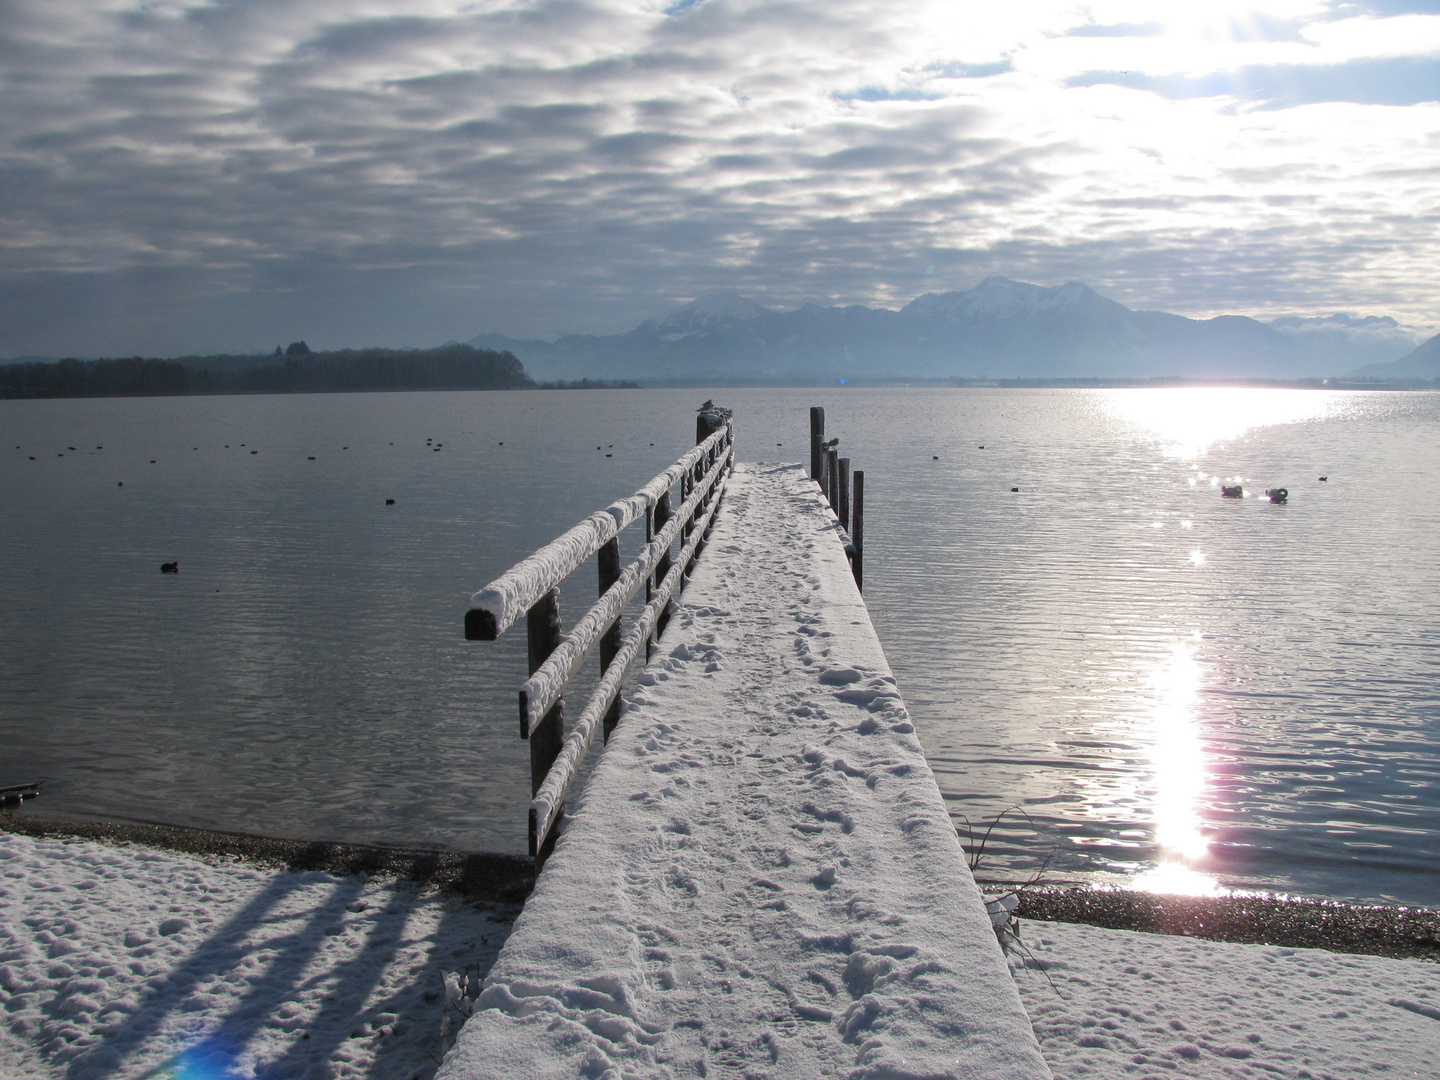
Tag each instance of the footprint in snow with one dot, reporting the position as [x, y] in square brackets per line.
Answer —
[843, 766]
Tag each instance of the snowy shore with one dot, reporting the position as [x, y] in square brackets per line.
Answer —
[1115, 1003]
[91, 985]
[124, 961]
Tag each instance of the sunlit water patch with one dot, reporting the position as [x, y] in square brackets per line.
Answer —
[1178, 778]
[1188, 422]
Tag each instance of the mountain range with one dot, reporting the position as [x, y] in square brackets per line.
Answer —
[1000, 329]
[1422, 363]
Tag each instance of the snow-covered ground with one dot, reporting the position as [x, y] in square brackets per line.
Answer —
[1118, 1004]
[130, 962]
[92, 984]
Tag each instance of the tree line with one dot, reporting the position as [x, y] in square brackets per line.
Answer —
[298, 370]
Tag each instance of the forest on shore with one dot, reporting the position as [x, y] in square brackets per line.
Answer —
[296, 370]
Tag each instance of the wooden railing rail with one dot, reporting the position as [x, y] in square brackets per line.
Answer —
[549, 801]
[494, 609]
[845, 494]
[545, 686]
[531, 588]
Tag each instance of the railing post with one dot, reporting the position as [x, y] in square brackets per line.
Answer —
[608, 558]
[687, 485]
[832, 478]
[542, 627]
[689, 526]
[817, 444]
[857, 530]
[706, 424]
[661, 516]
[650, 531]
[700, 508]
[844, 512]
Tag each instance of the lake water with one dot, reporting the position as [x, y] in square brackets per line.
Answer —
[1171, 688]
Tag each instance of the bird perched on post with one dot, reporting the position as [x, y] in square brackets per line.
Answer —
[717, 413]
[833, 443]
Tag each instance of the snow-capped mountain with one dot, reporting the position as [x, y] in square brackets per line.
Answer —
[998, 329]
[708, 311]
[1002, 300]
[1422, 363]
[1345, 338]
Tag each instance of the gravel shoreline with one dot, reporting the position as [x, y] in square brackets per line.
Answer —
[505, 879]
[1399, 932]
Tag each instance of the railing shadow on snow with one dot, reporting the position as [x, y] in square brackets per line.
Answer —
[294, 936]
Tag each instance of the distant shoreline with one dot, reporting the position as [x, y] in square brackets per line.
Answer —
[296, 370]
[464, 367]
[577, 384]
[1086, 383]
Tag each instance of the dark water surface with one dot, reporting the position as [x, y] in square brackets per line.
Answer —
[1175, 688]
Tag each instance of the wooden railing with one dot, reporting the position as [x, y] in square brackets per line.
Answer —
[844, 492]
[532, 588]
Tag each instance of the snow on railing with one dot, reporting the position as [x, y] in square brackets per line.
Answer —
[494, 609]
[531, 588]
[545, 686]
[549, 801]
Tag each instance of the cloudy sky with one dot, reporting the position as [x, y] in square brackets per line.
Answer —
[202, 176]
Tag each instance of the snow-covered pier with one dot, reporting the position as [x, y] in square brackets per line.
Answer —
[760, 878]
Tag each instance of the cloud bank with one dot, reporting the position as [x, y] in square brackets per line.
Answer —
[181, 176]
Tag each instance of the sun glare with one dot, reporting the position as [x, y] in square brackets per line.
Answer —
[1177, 879]
[1189, 421]
[1179, 776]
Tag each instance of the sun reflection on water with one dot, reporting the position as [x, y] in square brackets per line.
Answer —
[1179, 777]
[1190, 420]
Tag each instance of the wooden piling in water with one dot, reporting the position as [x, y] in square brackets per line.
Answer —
[817, 445]
[857, 530]
[842, 489]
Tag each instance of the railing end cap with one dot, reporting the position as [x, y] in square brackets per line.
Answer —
[480, 625]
